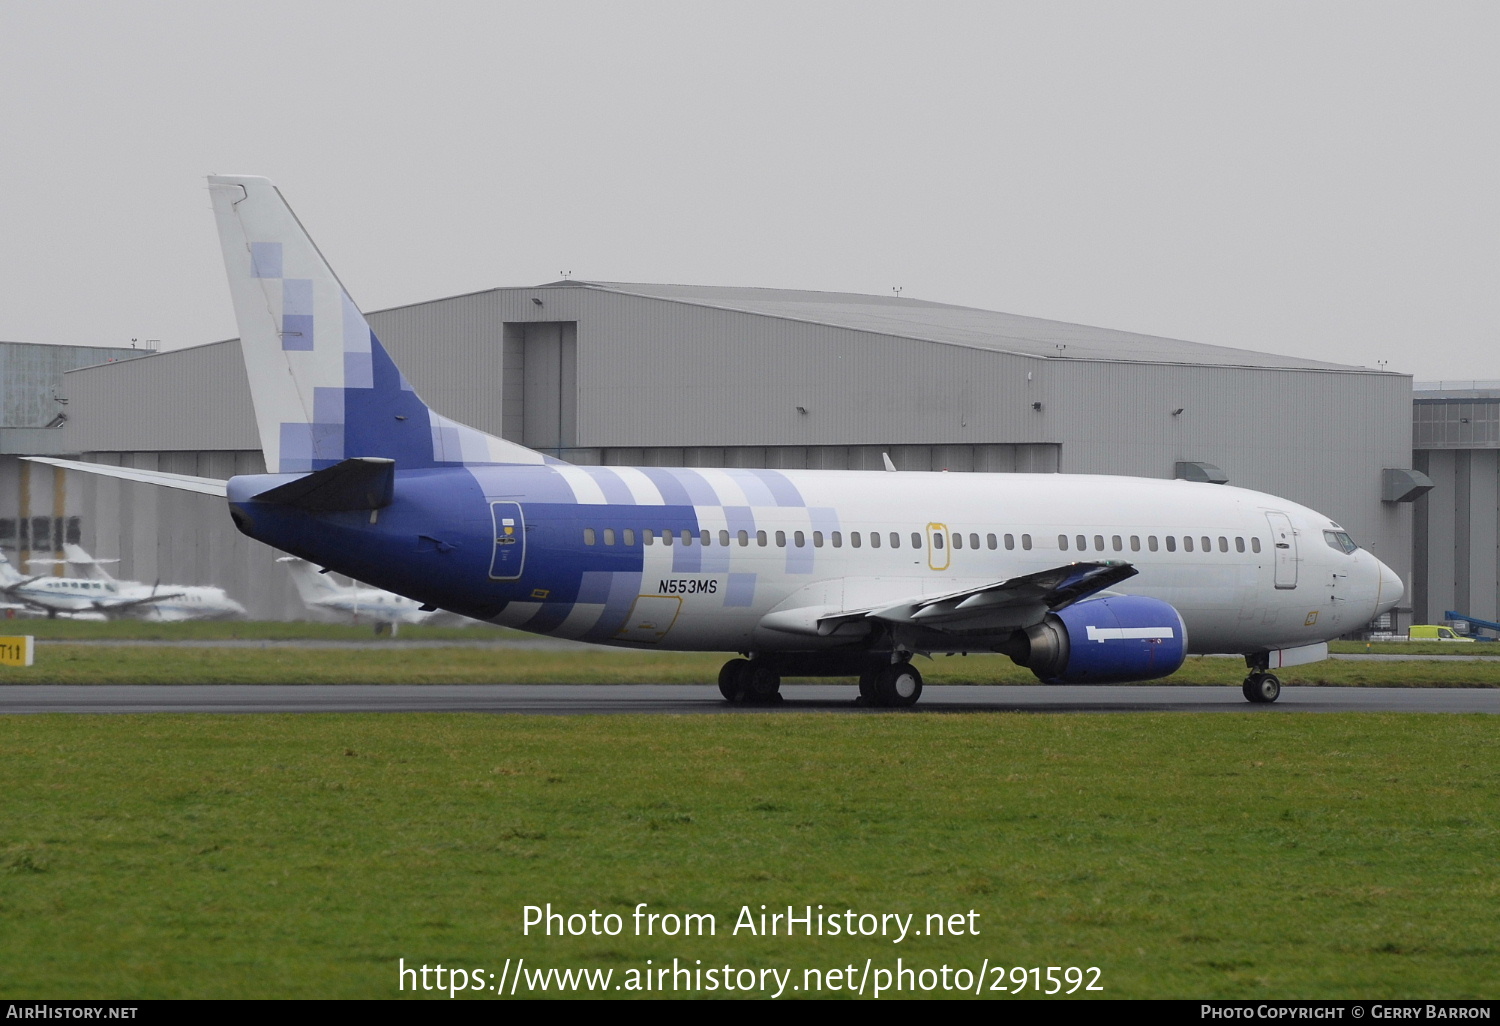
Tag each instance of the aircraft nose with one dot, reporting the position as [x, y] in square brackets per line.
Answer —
[1391, 589]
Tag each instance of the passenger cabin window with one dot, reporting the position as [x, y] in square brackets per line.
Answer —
[629, 533]
[724, 538]
[1026, 542]
[1083, 543]
[609, 536]
[1098, 543]
[937, 540]
[706, 538]
[1171, 543]
[781, 539]
[916, 540]
[1010, 541]
[647, 536]
[1062, 542]
[874, 539]
[1116, 544]
[1151, 542]
[744, 538]
[1223, 544]
[1254, 544]
[760, 538]
[854, 539]
[1239, 545]
[958, 540]
[837, 537]
[817, 539]
[588, 535]
[799, 539]
[1135, 543]
[1187, 543]
[1208, 543]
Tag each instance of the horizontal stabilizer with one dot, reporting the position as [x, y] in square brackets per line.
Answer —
[364, 482]
[181, 482]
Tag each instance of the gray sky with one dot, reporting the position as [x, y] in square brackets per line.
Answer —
[1313, 178]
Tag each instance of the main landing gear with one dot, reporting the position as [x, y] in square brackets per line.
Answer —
[744, 683]
[893, 685]
[758, 681]
[1261, 687]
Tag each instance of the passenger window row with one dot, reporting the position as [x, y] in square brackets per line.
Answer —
[1117, 543]
[797, 539]
[894, 540]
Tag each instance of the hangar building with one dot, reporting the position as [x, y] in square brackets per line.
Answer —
[610, 373]
[1456, 443]
[37, 514]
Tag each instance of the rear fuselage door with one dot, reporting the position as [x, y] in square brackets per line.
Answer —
[1284, 543]
[510, 541]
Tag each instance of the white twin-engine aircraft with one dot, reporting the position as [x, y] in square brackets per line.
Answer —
[98, 596]
[804, 573]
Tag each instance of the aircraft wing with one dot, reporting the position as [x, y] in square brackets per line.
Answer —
[988, 608]
[122, 605]
[182, 482]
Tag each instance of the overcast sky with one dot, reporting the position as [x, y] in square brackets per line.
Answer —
[1313, 178]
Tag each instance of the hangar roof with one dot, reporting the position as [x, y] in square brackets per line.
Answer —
[957, 325]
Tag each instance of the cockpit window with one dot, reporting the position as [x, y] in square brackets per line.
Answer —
[1340, 540]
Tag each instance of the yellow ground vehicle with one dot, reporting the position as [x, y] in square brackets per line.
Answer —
[1433, 632]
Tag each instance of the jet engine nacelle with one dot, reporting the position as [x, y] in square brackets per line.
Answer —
[1107, 640]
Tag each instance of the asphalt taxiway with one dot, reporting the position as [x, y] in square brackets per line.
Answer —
[575, 699]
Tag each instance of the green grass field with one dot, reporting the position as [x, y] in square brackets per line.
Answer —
[1185, 856]
[302, 856]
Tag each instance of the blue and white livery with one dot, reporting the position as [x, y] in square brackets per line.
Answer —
[804, 573]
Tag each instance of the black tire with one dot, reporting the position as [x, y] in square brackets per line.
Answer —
[869, 691]
[762, 685]
[1261, 688]
[732, 680]
[898, 686]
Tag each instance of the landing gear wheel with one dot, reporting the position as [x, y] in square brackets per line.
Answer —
[898, 685]
[869, 692]
[732, 680]
[762, 685]
[1261, 688]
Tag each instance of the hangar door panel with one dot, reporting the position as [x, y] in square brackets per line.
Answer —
[549, 399]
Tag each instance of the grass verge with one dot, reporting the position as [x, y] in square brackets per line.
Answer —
[1231, 856]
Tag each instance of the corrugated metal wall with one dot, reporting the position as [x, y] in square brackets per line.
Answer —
[1458, 535]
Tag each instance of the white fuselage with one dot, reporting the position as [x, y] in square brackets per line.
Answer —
[1247, 571]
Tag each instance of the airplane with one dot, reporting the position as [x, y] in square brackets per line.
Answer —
[1081, 579]
[98, 596]
[356, 602]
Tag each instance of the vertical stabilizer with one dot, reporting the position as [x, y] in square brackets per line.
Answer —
[313, 587]
[324, 388]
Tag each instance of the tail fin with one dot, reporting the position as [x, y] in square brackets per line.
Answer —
[324, 388]
[312, 586]
[9, 575]
[91, 568]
